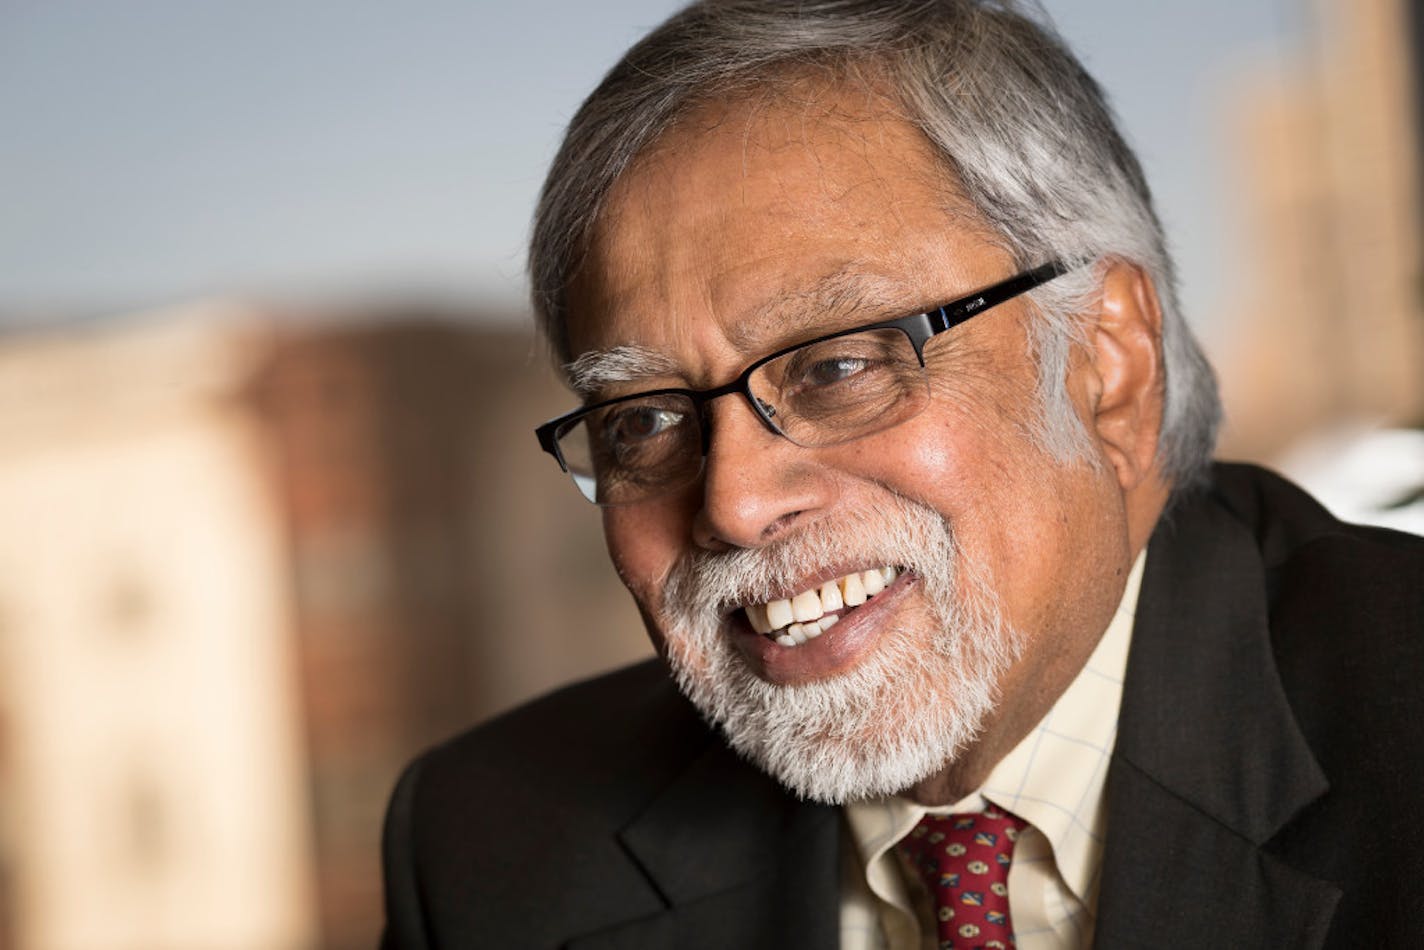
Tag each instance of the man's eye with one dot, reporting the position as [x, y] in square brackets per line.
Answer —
[837, 369]
[641, 423]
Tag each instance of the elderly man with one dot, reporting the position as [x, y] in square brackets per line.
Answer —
[902, 448]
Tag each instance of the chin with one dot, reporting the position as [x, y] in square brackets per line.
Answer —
[911, 705]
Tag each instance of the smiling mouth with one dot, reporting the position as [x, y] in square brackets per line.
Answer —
[795, 620]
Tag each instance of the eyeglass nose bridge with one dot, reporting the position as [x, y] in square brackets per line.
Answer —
[764, 411]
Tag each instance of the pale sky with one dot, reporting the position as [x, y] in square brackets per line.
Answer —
[155, 150]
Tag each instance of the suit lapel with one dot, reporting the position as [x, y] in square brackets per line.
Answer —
[1209, 762]
[738, 861]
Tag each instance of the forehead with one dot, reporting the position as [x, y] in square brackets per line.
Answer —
[755, 222]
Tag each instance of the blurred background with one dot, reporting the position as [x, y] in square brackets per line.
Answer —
[272, 518]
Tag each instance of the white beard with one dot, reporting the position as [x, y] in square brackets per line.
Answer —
[903, 714]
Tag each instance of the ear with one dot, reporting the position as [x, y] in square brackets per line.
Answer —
[1123, 374]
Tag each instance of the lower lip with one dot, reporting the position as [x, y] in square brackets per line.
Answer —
[834, 652]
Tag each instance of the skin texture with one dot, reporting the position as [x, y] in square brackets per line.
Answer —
[716, 248]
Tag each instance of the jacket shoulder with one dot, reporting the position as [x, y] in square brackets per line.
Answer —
[1346, 601]
[1327, 579]
[482, 828]
[619, 734]
[1285, 519]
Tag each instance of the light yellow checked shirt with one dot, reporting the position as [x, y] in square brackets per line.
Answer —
[1053, 779]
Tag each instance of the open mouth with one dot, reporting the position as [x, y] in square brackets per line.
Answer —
[795, 620]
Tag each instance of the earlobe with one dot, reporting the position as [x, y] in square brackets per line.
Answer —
[1126, 353]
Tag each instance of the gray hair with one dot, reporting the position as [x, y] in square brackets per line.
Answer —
[1016, 119]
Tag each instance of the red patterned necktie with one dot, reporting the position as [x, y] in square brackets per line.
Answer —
[964, 861]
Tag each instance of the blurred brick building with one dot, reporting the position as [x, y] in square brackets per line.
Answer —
[440, 569]
[251, 565]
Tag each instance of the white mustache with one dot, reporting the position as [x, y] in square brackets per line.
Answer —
[703, 585]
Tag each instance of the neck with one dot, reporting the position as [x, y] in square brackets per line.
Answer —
[964, 775]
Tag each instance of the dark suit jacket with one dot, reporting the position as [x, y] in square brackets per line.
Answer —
[1266, 790]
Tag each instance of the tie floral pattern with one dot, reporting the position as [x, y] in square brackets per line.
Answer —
[964, 861]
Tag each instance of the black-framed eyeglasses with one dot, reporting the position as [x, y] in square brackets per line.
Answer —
[826, 391]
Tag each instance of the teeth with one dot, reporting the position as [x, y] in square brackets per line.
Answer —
[778, 614]
[853, 589]
[799, 633]
[811, 612]
[806, 606]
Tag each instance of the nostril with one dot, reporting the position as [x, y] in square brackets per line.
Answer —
[779, 525]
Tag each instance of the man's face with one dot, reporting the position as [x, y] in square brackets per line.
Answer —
[751, 228]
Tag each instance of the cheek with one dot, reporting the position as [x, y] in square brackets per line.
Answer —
[950, 462]
[1003, 498]
[644, 541]
[643, 549]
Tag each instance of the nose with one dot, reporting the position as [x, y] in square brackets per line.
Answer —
[756, 485]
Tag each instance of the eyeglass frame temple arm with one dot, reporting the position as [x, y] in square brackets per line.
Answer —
[952, 315]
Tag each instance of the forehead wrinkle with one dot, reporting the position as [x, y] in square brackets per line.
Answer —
[627, 363]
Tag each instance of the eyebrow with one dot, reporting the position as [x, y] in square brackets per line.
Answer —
[627, 363]
[776, 323]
